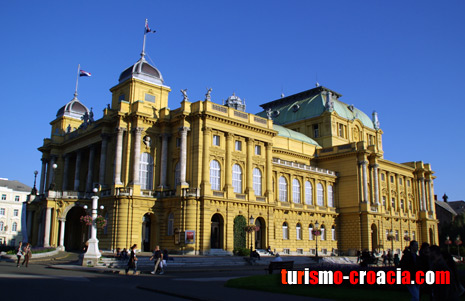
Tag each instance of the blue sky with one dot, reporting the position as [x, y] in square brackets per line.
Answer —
[404, 59]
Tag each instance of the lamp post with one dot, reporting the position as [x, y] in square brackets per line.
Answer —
[34, 189]
[251, 220]
[448, 242]
[391, 238]
[458, 242]
[317, 225]
[92, 254]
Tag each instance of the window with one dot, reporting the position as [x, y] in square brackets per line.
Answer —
[1, 226]
[310, 232]
[285, 231]
[237, 178]
[216, 140]
[382, 177]
[14, 227]
[341, 130]
[330, 196]
[393, 203]
[320, 195]
[215, 175]
[402, 204]
[121, 97]
[17, 198]
[413, 235]
[238, 145]
[392, 179]
[150, 98]
[397, 235]
[3, 197]
[177, 174]
[384, 201]
[405, 233]
[408, 183]
[2, 211]
[308, 193]
[316, 131]
[296, 191]
[170, 224]
[333, 233]
[400, 181]
[323, 234]
[298, 232]
[146, 171]
[15, 212]
[258, 150]
[257, 181]
[282, 189]
[410, 205]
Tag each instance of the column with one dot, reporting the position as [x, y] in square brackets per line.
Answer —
[48, 216]
[206, 156]
[135, 167]
[249, 172]
[376, 183]
[90, 168]
[61, 245]
[164, 159]
[364, 180]
[228, 167]
[51, 172]
[183, 157]
[65, 173]
[423, 192]
[429, 183]
[77, 171]
[269, 171]
[103, 159]
[118, 155]
[42, 176]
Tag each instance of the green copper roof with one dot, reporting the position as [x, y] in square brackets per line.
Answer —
[309, 104]
[285, 132]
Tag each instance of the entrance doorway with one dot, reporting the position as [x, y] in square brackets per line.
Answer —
[216, 237]
[374, 237]
[146, 232]
[76, 232]
[260, 235]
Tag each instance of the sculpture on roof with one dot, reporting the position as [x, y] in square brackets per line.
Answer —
[269, 113]
[207, 96]
[184, 95]
[375, 120]
[329, 106]
[91, 116]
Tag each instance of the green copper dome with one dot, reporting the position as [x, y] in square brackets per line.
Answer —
[285, 132]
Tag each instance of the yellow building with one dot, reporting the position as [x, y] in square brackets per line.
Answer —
[192, 178]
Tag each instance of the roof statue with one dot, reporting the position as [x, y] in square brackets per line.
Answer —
[329, 106]
[184, 95]
[269, 114]
[375, 120]
[235, 102]
[208, 96]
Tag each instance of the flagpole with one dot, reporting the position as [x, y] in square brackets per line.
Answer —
[77, 79]
[143, 45]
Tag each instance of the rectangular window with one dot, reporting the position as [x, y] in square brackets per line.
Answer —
[15, 212]
[341, 130]
[382, 177]
[316, 131]
[2, 211]
[397, 235]
[402, 204]
[150, 98]
[216, 140]
[393, 203]
[3, 197]
[392, 179]
[17, 198]
[400, 181]
[333, 234]
[258, 150]
[238, 145]
[310, 233]
[408, 183]
[384, 201]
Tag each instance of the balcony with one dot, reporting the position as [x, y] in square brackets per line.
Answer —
[305, 167]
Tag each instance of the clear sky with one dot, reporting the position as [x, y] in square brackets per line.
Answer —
[404, 59]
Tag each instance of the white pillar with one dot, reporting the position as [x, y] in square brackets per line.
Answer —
[431, 195]
[90, 169]
[65, 173]
[42, 176]
[183, 163]
[61, 245]
[118, 155]
[103, 159]
[77, 172]
[423, 191]
[164, 159]
[93, 254]
[375, 179]
[48, 216]
[135, 167]
[365, 182]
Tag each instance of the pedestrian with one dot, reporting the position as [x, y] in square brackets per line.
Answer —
[157, 256]
[19, 253]
[396, 260]
[410, 263]
[389, 257]
[278, 258]
[384, 258]
[359, 255]
[132, 263]
[165, 259]
[27, 254]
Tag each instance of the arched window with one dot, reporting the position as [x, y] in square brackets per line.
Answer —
[285, 231]
[320, 194]
[298, 231]
[215, 175]
[14, 227]
[257, 181]
[237, 178]
[282, 189]
[177, 174]
[310, 230]
[146, 171]
[323, 234]
[308, 193]
[330, 196]
[170, 224]
[333, 232]
[296, 191]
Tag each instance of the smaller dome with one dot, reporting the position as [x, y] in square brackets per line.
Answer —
[74, 109]
[144, 71]
[235, 102]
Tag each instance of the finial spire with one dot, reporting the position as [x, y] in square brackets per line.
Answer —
[77, 80]
[146, 31]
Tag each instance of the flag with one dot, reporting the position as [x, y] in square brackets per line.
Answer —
[147, 28]
[84, 73]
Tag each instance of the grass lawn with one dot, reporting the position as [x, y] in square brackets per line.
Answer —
[272, 283]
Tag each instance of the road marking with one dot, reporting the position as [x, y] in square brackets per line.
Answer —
[207, 279]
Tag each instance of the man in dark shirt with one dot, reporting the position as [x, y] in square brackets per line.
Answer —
[158, 257]
[410, 262]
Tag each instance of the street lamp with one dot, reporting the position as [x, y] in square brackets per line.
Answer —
[34, 189]
[391, 238]
[93, 254]
[317, 226]
[448, 242]
[458, 242]
[251, 220]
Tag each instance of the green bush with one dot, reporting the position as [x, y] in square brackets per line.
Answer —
[241, 252]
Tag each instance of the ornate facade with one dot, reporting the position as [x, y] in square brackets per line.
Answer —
[186, 178]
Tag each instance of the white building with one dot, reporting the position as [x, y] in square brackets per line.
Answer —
[13, 197]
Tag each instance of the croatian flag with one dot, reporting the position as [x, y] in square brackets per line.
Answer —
[147, 28]
[84, 73]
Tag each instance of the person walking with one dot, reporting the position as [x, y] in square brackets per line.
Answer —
[19, 253]
[158, 257]
[27, 254]
[132, 263]
[410, 262]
